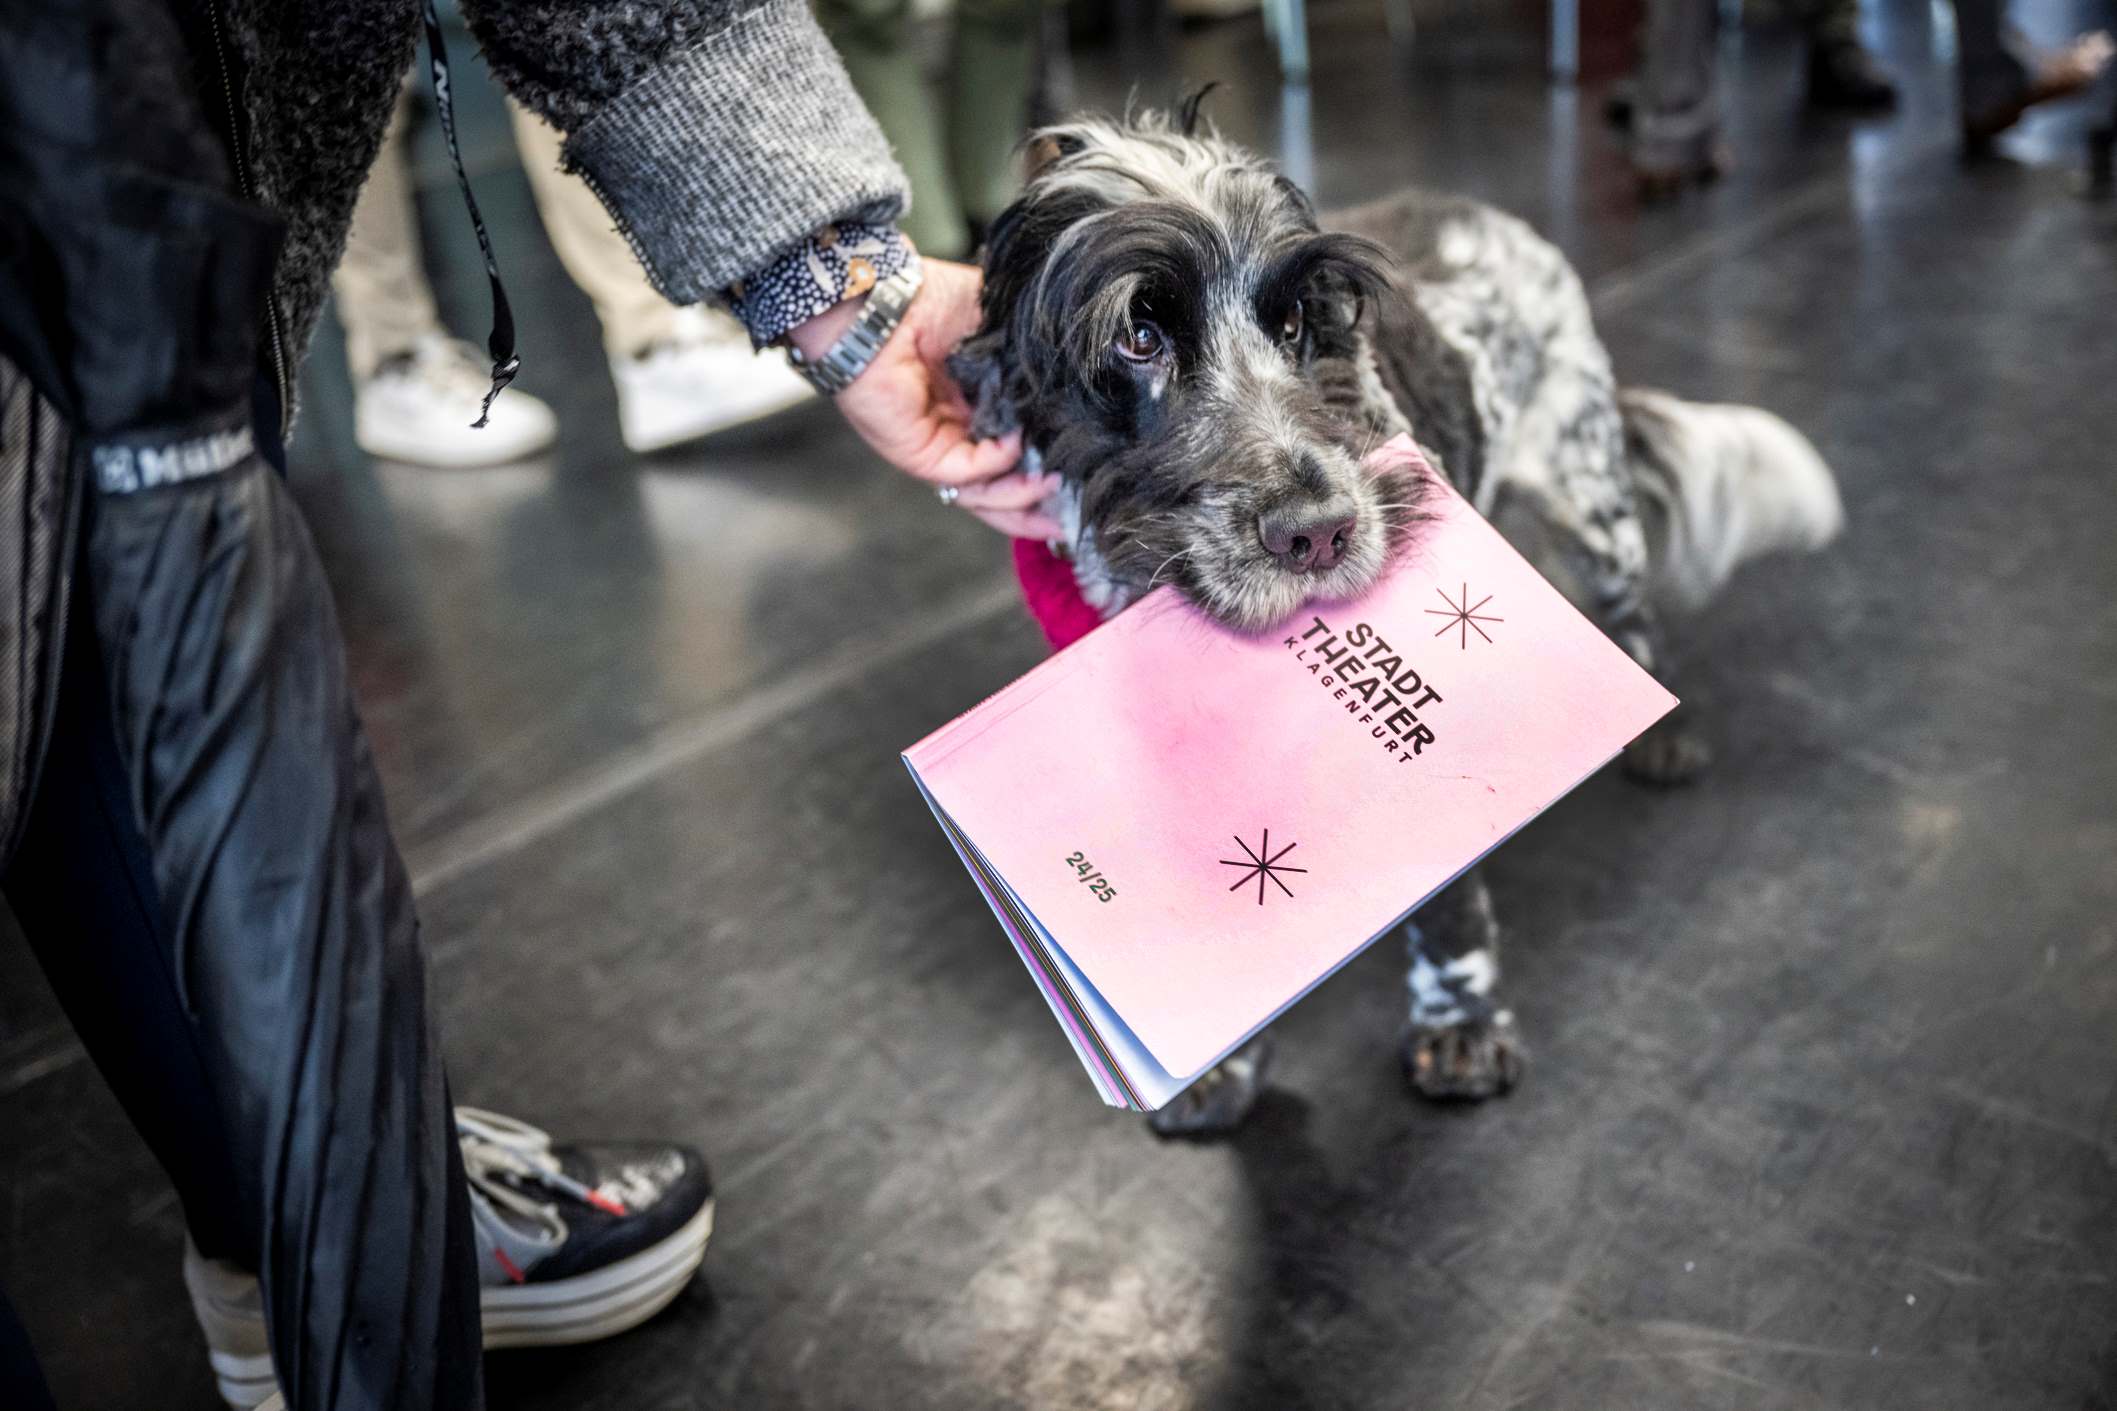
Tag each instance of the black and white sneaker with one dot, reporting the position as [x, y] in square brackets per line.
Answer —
[575, 1242]
[581, 1241]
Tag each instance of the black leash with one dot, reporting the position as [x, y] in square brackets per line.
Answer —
[501, 341]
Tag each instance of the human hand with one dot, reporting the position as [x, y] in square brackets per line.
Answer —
[906, 406]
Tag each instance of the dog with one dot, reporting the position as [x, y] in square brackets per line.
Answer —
[1203, 362]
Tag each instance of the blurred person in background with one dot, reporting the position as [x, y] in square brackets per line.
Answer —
[958, 153]
[2000, 76]
[195, 840]
[680, 373]
[1672, 105]
[1673, 108]
[1843, 76]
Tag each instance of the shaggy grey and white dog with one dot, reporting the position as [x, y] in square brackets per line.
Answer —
[1204, 362]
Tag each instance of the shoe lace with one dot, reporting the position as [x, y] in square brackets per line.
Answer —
[501, 1154]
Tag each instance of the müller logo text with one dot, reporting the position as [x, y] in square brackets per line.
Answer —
[1370, 678]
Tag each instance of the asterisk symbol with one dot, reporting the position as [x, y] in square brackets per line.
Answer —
[1463, 615]
[1263, 864]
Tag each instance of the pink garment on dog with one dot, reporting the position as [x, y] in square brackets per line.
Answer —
[1052, 594]
[1184, 828]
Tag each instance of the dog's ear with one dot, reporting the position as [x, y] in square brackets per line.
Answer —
[1045, 149]
[984, 365]
[1339, 274]
[1349, 381]
[979, 367]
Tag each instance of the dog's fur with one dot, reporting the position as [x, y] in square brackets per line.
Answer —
[1278, 349]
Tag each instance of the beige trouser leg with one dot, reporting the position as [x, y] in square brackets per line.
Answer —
[633, 315]
[384, 301]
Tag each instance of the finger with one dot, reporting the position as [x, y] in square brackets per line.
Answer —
[1016, 490]
[1022, 524]
[952, 458]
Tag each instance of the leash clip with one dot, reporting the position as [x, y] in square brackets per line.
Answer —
[502, 374]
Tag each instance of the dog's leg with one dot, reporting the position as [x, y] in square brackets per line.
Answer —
[1221, 1097]
[1563, 489]
[1460, 1043]
[1673, 750]
[1583, 561]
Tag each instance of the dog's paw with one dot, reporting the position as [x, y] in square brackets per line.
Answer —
[1221, 1098]
[1466, 1062]
[1669, 754]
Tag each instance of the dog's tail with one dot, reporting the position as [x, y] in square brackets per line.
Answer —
[1720, 485]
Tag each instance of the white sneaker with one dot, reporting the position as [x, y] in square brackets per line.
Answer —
[705, 379]
[231, 1311]
[419, 406]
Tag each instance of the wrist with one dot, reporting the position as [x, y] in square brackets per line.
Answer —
[811, 279]
[814, 337]
[849, 351]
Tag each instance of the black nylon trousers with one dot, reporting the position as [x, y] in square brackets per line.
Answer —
[209, 880]
[206, 869]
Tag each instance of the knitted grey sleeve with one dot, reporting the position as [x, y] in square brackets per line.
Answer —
[717, 132]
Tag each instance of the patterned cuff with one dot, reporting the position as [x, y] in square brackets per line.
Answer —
[837, 263]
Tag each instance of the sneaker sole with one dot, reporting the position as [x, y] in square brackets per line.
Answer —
[600, 1304]
[431, 457]
[586, 1308]
[246, 1383]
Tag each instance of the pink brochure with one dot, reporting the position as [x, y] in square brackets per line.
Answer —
[1184, 829]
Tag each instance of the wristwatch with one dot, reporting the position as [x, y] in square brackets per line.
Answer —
[847, 358]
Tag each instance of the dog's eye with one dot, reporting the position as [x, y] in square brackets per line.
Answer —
[1290, 327]
[1142, 342]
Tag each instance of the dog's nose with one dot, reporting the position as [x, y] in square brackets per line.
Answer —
[1308, 538]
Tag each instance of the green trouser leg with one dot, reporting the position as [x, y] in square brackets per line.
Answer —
[874, 39]
[988, 101]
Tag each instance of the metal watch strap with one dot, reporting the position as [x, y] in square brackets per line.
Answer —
[847, 358]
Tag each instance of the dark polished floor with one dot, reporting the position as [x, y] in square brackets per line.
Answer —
[1823, 1111]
